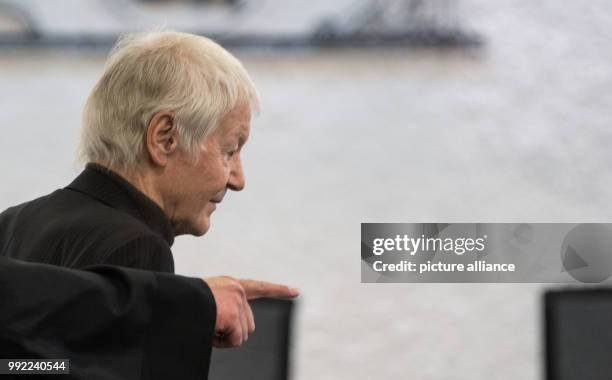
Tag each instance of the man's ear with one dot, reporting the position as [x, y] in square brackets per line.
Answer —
[161, 140]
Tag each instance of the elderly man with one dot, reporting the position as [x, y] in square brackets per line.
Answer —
[162, 134]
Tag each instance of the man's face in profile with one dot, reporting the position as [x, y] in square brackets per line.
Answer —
[195, 190]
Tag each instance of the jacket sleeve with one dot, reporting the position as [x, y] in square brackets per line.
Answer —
[112, 323]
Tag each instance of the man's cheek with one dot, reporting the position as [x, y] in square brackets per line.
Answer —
[223, 180]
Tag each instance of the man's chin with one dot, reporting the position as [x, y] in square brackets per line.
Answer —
[196, 229]
[202, 227]
[200, 232]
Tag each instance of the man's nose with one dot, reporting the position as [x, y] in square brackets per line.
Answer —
[236, 180]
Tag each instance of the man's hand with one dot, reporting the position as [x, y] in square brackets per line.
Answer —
[235, 320]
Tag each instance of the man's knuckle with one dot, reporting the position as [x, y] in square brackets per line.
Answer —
[225, 278]
[238, 289]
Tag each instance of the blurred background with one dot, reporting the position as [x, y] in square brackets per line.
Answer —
[372, 111]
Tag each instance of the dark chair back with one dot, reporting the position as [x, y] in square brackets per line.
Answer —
[578, 334]
[265, 356]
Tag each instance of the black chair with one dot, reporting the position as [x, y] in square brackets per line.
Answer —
[578, 334]
[265, 356]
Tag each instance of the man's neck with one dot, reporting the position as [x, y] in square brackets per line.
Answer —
[142, 180]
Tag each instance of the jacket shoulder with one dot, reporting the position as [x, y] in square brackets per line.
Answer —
[10, 218]
[72, 229]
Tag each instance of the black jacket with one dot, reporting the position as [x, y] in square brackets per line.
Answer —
[112, 323]
[98, 219]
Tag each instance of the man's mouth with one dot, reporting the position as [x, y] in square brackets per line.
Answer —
[218, 198]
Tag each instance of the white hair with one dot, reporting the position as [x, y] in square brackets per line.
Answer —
[153, 72]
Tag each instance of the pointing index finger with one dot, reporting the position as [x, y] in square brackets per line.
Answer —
[258, 289]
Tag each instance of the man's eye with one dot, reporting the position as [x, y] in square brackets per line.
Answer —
[233, 151]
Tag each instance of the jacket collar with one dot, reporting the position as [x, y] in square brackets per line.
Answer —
[111, 189]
